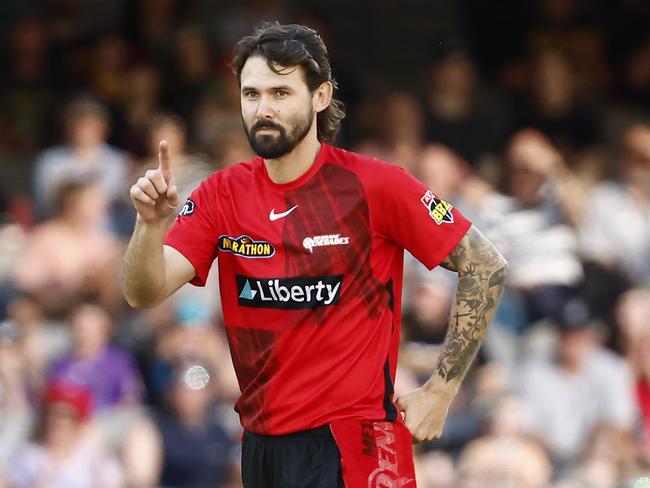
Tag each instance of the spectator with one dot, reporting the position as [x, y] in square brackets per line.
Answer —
[194, 71]
[139, 106]
[28, 99]
[435, 469]
[452, 179]
[192, 335]
[581, 386]
[615, 230]
[13, 239]
[189, 169]
[109, 70]
[532, 225]
[555, 107]
[504, 462]
[85, 155]
[218, 129]
[633, 317]
[41, 341]
[16, 413]
[107, 372]
[460, 114]
[197, 452]
[65, 454]
[397, 124]
[71, 255]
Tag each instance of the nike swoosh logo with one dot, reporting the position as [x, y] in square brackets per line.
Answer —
[273, 216]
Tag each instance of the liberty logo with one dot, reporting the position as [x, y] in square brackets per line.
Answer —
[248, 293]
[289, 293]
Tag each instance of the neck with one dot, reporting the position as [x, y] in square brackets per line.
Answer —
[639, 191]
[75, 224]
[85, 151]
[293, 165]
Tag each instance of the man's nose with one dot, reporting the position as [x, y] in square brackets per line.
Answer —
[264, 109]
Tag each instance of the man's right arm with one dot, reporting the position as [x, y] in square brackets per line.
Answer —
[152, 271]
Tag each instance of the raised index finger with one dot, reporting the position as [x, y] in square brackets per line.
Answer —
[163, 161]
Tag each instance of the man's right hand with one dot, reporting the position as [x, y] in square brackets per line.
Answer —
[155, 195]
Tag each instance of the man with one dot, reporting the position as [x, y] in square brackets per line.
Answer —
[623, 248]
[310, 241]
[85, 155]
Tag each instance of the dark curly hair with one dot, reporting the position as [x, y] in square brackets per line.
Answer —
[293, 45]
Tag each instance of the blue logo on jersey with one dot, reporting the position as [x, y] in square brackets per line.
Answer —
[248, 293]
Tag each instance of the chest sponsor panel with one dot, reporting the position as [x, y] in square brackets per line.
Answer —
[297, 293]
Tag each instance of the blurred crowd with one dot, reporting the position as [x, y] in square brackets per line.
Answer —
[532, 118]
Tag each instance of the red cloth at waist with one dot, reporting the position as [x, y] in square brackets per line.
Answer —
[374, 454]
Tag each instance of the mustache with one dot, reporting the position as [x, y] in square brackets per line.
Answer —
[265, 124]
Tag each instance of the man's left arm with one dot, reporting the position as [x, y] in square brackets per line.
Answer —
[481, 278]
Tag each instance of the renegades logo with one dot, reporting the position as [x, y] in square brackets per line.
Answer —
[188, 209]
[387, 473]
[246, 247]
[439, 210]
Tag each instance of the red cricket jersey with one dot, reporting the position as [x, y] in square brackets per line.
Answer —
[311, 281]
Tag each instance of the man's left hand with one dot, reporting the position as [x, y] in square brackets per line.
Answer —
[425, 411]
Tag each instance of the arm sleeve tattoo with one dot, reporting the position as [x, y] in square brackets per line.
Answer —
[481, 277]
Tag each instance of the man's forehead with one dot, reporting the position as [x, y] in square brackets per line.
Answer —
[256, 72]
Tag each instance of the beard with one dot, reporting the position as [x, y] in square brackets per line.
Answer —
[272, 146]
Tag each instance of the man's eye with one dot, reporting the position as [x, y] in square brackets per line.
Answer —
[250, 94]
[281, 93]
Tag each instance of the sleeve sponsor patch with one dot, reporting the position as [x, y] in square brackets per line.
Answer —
[439, 210]
[188, 209]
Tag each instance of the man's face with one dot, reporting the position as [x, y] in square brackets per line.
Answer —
[277, 109]
[87, 130]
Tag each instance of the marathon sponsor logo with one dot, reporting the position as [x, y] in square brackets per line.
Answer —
[289, 293]
[439, 210]
[188, 209]
[246, 247]
[310, 243]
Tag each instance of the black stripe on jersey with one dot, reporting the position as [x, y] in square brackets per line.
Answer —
[389, 406]
[391, 293]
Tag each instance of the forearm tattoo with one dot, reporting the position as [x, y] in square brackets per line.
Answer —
[481, 276]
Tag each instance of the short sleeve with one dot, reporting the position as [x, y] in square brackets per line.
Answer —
[410, 214]
[195, 231]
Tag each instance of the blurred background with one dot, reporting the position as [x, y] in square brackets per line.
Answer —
[533, 118]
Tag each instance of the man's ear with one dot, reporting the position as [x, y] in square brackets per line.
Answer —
[322, 96]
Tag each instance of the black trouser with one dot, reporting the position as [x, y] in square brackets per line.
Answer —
[307, 459]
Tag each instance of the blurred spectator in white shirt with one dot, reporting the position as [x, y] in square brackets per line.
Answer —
[581, 386]
[532, 226]
[615, 229]
[85, 155]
